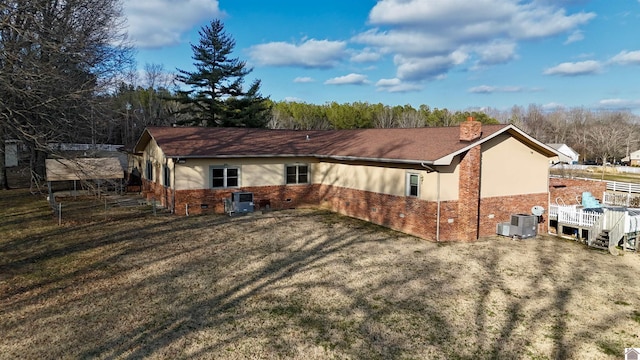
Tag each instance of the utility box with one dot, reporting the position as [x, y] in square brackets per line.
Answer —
[242, 202]
[503, 229]
[523, 226]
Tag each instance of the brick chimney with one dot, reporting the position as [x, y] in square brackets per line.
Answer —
[470, 130]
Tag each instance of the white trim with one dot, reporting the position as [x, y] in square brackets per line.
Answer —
[446, 160]
[297, 167]
[225, 177]
[408, 184]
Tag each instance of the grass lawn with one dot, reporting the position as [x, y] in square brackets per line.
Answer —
[597, 173]
[299, 284]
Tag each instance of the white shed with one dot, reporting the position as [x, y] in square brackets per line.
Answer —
[566, 153]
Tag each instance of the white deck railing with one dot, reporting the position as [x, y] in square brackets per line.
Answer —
[573, 216]
[621, 199]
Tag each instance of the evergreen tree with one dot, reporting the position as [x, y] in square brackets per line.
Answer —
[216, 97]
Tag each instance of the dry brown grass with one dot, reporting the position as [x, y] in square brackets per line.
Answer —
[299, 284]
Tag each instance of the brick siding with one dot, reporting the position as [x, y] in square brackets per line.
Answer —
[463, 220]
[470, 130]
[469, 195]
[203, 201]
[569, 191]
[154, 191]
[494, 210]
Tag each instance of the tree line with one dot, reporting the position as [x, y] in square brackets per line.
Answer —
[597, 135]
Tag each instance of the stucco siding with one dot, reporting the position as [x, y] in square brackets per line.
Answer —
[391, 181]
[195, 174]
[449, 180]
[510, 167]
[153, 153]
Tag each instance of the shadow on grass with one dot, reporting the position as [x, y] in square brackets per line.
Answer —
[288, 284]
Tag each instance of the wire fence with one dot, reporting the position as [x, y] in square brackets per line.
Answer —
[85, 208]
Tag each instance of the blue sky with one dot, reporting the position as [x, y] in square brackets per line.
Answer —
[454, 54]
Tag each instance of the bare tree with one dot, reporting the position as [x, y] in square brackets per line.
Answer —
[608, 136]
[55, 57]
[384, 118]
[410, 119]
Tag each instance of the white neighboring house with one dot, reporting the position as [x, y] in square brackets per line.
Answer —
[633, 159]
[566, 154]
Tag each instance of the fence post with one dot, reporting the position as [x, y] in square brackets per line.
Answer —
[59, 214]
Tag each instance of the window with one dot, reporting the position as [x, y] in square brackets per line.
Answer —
[223, 177]
[166, 175]
[413, 184]
[149, 170]
[297, 174]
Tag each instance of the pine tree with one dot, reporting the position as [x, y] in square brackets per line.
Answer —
[216, 97]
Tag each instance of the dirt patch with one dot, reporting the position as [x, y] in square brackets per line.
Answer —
[299, 284]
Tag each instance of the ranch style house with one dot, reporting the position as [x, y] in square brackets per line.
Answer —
[437, 183]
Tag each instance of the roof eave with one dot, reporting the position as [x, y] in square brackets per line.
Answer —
[317, 156]
[550, 152]
[144, 138]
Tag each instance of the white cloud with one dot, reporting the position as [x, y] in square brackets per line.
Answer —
[366, 55]
[421, 68]
[575, 68]
[406, 42]
[304, 79]
[553, 106]
[620, 104]
[157, 23]
[293, 99]
[351, 79]
[537, 22]
[423, 34]
[486, 89]
[396, 86]
[420, 13]
[310, 54]
[574, 37]
[497, 52]
[627, 57]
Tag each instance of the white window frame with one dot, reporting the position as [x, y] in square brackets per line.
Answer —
[297, 167]
[408, 184]
[225, 177]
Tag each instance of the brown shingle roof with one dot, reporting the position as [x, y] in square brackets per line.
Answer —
[414, 145]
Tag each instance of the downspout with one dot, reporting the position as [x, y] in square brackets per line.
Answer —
[173, 192]
[166, 186]
[430, 169]
[438, 210]
[548, 202]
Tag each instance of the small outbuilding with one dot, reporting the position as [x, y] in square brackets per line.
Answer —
[83, 169]
[565, 153]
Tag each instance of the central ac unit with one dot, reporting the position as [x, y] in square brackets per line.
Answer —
[523, 225]
[242, 202]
